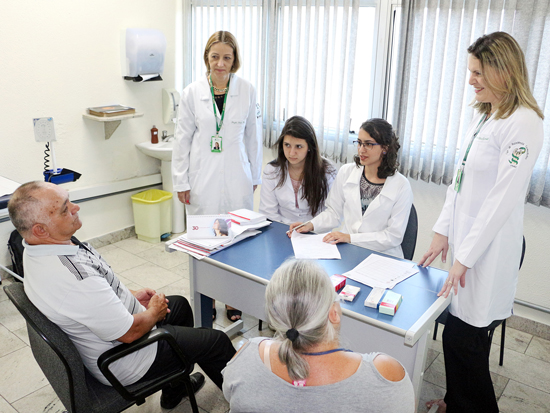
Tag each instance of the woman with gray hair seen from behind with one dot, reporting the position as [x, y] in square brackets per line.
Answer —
[303, 368]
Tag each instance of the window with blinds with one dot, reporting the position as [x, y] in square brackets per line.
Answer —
[326, 60]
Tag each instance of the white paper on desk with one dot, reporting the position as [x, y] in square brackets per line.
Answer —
[382, 272]
[308, 246]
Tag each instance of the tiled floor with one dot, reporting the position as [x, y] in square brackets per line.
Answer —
[522, 384]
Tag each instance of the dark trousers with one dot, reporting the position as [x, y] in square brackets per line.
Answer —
[210, 349]
[466, 352]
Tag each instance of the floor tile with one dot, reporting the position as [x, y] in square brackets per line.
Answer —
[519, 398]
[5, 407]
[182, 270]
[9, 342]
[430, 358]
[120, 260]
[255, 332]
[539, 349]
[5, 282]
[429, 392]
[10, 316]
[435, 374]
[160, 257]
[20, 376]
[437, 344]
[514, 339]
[43, 400]
[150, 275]
[151, 405]
[517, 366]
[106, 248]
[210, 398]
[134, 245]
[238, 341]
[23, 335]
[180, 287]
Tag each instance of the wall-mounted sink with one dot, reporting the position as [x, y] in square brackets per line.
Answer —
[161, 150]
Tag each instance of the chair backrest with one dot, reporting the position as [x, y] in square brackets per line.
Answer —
[55, 353]
[409, 239]
[522, 253]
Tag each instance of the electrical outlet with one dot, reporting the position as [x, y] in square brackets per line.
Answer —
[44, 130]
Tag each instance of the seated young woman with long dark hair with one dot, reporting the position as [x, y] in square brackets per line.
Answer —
[296, 184]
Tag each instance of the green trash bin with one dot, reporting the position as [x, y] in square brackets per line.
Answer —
[152, 214]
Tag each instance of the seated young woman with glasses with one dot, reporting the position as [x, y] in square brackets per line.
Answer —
[370, 199]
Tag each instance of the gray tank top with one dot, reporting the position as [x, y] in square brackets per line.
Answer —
[249, 386]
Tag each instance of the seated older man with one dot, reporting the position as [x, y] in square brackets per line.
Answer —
[74, 287]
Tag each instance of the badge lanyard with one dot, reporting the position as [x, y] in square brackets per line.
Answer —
[460, 171]
[216, 141]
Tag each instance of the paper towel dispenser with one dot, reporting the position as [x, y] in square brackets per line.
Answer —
[143, 52]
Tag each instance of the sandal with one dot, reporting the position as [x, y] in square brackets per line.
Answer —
[233, 313]
[440, 403]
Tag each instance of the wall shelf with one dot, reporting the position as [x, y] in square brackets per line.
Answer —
[111, 123]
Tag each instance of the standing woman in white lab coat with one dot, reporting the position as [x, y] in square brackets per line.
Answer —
[482, 218]
[217, 158]
[296, 184]
[370, 197]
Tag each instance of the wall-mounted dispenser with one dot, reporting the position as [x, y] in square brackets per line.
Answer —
[170, 103]
[143, 52]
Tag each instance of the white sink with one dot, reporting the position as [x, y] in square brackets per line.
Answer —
[161, 150]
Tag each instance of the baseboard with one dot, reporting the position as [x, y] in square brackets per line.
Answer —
[112, 237]
[529, 326]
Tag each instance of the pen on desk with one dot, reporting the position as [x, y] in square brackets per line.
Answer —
[299, 226]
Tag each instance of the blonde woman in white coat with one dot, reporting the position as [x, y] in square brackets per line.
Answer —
[217, 157]
[369, 197]
[296, 184]
[482, 219]
[216, 171]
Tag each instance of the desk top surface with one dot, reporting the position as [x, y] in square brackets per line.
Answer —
[261, 255]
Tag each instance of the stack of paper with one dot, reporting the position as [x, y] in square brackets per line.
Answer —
[377, 271]
[246, 217]
[204, 247]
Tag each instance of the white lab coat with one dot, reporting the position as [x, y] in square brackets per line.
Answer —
[279, 204]
[219, 182]
[484, 221]
[383, 225]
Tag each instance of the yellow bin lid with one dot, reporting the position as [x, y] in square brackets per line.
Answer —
[151, 196]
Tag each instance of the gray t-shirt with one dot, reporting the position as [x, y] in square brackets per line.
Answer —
[249, 386]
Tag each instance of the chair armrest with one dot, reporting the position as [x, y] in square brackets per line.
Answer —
[118, 352]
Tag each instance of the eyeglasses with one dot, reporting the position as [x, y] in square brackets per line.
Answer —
[367, 145]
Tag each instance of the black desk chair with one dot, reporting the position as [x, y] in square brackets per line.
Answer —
[77, 389]
[443, 318]
[408, 245]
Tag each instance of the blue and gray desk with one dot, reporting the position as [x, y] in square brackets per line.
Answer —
[239, 275]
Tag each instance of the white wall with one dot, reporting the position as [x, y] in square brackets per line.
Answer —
[59, 58]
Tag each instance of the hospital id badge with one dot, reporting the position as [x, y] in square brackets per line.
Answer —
[458, 180]
[216, 144]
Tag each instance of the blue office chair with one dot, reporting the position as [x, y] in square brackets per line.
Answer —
[443, 318]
